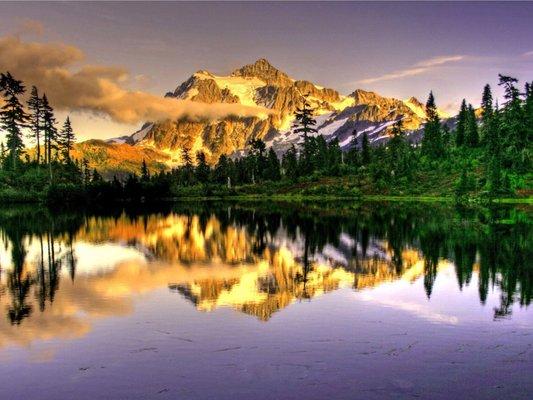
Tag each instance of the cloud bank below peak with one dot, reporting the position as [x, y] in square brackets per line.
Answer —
[59, 71]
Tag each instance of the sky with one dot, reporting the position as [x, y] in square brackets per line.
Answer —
[139, 51]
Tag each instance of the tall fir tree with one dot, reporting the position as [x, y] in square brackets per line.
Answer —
[432, 144]
[353, 152]
[487, 106]
[290, 164]
[471, 134]
[67, 138]
[305, 124]
[272, 171]
[36, 116]
[513, 126]
[145, 173]
[366, 151]
[13, 118]
[493, 151]
[202, 168]
[398, 150]
[304, 121]
[49, 129]
[460, 129]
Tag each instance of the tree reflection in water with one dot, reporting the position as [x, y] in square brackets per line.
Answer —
[297, 251]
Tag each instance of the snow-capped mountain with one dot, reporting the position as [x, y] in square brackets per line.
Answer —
[261, 84]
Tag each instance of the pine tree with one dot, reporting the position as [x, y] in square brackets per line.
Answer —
[223, 170]
[13, 118]
[290, 163]
[366, 154]
[49, 129]
[493, 159]
[334, 155]
[304, 119]
[67, 138]
[257, 158]
[398, 149]
[86, 172]
[460, 130]
[202, 169]
[305, 123]
[353, 152]
[96, 177]
[145, 174]
[471, 134]
[272, 171]
[513, 123]
[36, 116]
[487, 106]
[187, 165]
[432, 144]
[2, 154]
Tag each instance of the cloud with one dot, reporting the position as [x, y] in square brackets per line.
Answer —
[416, 69]
[58, 70]
[528, 54]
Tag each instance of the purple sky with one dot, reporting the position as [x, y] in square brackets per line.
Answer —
[397, 49]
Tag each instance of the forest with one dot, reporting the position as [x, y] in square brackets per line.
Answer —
[485, 153]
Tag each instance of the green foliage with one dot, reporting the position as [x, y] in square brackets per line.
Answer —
[490, 156]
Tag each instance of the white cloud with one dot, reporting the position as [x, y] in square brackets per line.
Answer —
[528, 54]
[417, 69]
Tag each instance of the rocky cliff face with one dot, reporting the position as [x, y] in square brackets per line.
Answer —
[261, 84]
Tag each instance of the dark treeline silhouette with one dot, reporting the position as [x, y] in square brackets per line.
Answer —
[493, 242]
[484, 151]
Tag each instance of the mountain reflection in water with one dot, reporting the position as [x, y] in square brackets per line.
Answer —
[60, 272]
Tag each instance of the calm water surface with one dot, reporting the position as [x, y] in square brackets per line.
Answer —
[257, 301]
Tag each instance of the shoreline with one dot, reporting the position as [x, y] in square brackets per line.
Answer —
[315, 198]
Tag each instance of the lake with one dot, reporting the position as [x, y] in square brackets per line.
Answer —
[257, 300]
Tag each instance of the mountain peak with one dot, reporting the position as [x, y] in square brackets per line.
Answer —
[265, 71]
[413, 100]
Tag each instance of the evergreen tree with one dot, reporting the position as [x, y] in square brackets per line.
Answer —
[96, 177]
[487, 106]
[13, 118]
[290, 163]
[493, 161]
[35, 107]
[49, 129]
[187, 165]
[432, 145]
[257, 158]
[398, 150]
[366, 154]
[304, 119]
[272, 171]
[353, 152]
[471, 134]
[86, 172]
[223, 172]
[334, 155]
[3, 152]
[460, 130]
[67, 138]
[513, 124]
[202, 169]
[145, 174]
[305, 123]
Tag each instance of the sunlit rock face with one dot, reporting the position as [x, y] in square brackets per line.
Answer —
[60, 275]
[262, 85]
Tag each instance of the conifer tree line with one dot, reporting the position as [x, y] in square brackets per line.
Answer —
[38, 118]
[487, 149]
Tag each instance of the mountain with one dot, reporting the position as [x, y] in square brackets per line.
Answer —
[261, 84]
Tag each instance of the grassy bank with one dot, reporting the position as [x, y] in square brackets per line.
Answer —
[359, 188]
